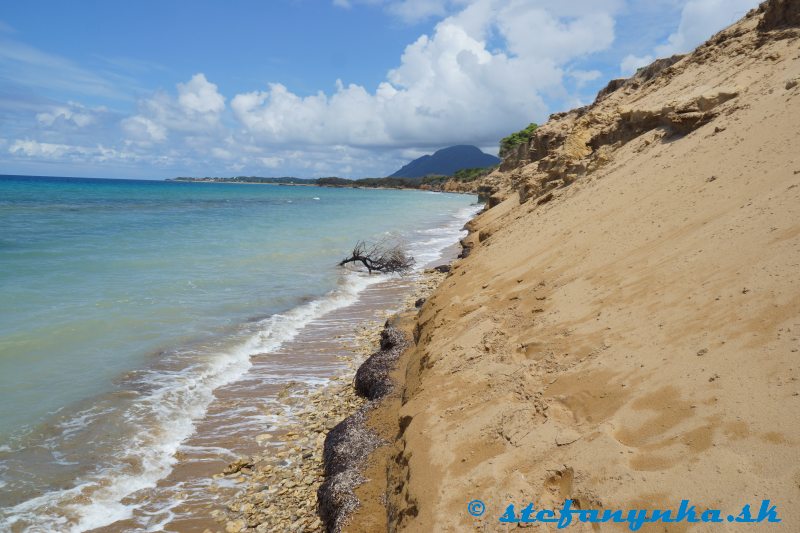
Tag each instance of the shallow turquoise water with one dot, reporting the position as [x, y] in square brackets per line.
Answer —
[98, 275]
[104, 279]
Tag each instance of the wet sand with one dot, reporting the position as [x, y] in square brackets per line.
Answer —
[282, 407]
[277, 485]
[264, 402]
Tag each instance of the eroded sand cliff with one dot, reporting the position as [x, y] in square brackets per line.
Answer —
[625, 330]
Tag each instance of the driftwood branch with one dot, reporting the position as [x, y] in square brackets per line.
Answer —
[379, 257]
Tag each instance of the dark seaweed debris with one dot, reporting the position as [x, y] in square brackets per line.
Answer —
[347, 447]
[372, 379]
[349, 443]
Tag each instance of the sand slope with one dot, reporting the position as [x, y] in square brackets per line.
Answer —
[627, 336]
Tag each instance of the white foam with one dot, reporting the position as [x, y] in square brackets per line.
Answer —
[165, 416]
[80, 420]
[429, 249]
[170, 408]
[211, 450]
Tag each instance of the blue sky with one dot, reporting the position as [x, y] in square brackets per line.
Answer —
[308, 88]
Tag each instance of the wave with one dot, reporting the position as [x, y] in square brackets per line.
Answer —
[431, 242]
[168, 401]
[160, 420]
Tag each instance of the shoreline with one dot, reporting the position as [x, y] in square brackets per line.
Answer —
[281, 484]
[298, 345]
[276, 485]
[625, 320]
[623, 334]
[225, 182]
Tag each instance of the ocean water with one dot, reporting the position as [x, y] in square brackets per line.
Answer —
[124, 306]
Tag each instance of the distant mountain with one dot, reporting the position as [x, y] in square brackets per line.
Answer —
[447, 161]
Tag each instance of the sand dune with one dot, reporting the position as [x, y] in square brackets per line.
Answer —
[625, 331]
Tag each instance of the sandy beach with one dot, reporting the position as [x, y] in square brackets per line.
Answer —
[624, 332]
[620, 330]
[278, 484]
[548, 276]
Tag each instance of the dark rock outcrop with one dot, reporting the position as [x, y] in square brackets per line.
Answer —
[779, 14]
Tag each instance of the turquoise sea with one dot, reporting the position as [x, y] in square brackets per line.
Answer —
[124, 304]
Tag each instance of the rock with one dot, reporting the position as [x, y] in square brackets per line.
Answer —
[494, 200]
[280, 493]
[779, 14]
[261, 439]
[712, 99]
[419, 303]
[444, 269]
[791, 84]
[642, 75]
[544, 199]
[237, 465]
[235, 526]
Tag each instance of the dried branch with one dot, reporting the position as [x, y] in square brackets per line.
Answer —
[379, 257]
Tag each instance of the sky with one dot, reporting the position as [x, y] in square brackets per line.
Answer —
[308, 88]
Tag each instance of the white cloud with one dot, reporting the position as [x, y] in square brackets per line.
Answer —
[54, 151]
[582, 77]
[29, 148]
[700, 19]
[480, 73]
[416, 10]
[271, 162]
[142, 129]
[486, 68]
[408, 10]
[198, 95]
[31, 67]
[555, 34]
[450, 86]
[631, 63]
[221, 153]
[73, 114]
[198, 107]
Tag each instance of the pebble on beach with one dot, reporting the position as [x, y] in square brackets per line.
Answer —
[279, 486]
